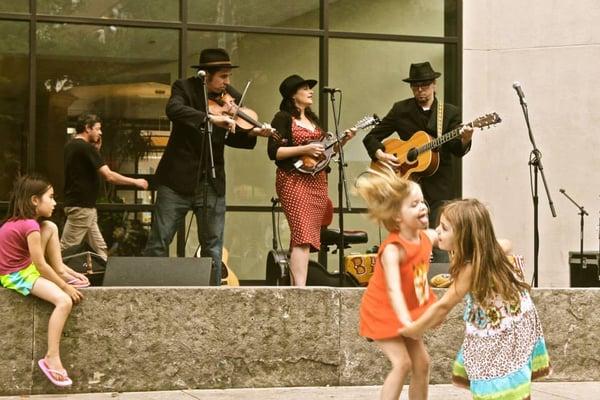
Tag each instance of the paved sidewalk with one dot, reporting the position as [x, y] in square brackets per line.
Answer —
[541, 391]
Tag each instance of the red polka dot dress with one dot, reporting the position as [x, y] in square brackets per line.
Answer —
[303, 196]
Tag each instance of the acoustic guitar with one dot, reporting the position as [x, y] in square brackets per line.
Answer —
[415, 155]
[312, 165]
[228, 277]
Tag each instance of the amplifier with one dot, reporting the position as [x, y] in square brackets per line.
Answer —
[586, 275]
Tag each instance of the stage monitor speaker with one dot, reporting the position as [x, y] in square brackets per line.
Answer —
[88, 263]
[158, 271]
[586, 275]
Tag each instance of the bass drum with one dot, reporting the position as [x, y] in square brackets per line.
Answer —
[278, 272]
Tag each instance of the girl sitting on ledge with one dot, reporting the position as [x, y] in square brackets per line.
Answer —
[24, 243]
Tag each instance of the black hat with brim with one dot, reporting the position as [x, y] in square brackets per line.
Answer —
[214, 58]
[421, 72]
[288, 87]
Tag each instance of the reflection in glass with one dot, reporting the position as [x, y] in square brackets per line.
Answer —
[250, 174]
[14, 99]
[124, 76]
[21, 6]
[113, 9]
[274, 13]
[371, 87]
[390, 16]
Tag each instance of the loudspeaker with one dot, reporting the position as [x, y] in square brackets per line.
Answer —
[587, 275]
[158, 271]
[81, 259]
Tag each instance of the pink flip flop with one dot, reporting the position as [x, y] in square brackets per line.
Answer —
[48, 372]
[78, 283]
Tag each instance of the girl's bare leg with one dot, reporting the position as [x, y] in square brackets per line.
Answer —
[421, 363]
[396, 351]
[47, 290]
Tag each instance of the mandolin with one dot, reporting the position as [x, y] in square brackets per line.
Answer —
[415, 155]
[311, 165]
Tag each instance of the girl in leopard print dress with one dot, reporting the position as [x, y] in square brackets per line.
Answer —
[504, 346]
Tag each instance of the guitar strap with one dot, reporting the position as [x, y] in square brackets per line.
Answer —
[440, 118]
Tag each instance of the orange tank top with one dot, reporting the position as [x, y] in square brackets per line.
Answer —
[377, 317]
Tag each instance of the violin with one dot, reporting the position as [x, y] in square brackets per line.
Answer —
[245, 118]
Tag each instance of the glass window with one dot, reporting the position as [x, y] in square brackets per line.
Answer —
[115, 9]
[355, 222]
[248, 239]
[14, 101]
[248, 247]
[372, 87]
[250, 174]
[274, 13]
[424, 18]
[14, 6]
[121, 74]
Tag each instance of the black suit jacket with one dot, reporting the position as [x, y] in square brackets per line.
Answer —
[406, 117]
[180, 166]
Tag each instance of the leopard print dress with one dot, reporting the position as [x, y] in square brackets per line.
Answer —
[503, 349]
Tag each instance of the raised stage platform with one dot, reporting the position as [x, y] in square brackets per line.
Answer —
[150, 339]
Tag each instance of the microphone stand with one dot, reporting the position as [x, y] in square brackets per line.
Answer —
[209, 127]
[535, 160]
[582, 213]
[208, 139]
[342, 189]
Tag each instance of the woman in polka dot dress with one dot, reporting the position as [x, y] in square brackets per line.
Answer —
[303, 197]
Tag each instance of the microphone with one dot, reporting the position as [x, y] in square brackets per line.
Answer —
[562, 191]
[517, 86]
[201, 74]
[331, 90]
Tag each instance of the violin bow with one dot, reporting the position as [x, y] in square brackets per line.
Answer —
[235, 114]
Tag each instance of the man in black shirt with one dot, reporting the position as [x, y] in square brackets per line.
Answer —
[83, 168]
[420, 113]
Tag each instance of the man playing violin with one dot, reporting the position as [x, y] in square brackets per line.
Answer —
[421, 113]
[184, 178]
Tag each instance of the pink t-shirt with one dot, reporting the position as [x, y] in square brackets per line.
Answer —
[14, 251]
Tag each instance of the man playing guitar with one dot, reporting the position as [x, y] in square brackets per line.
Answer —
[422, 113]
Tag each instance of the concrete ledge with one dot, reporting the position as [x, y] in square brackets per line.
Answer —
[148, 339]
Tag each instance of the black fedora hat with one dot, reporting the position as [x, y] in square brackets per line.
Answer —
[421, 72]
[288, 87]
[290, 84]
[214, 58]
